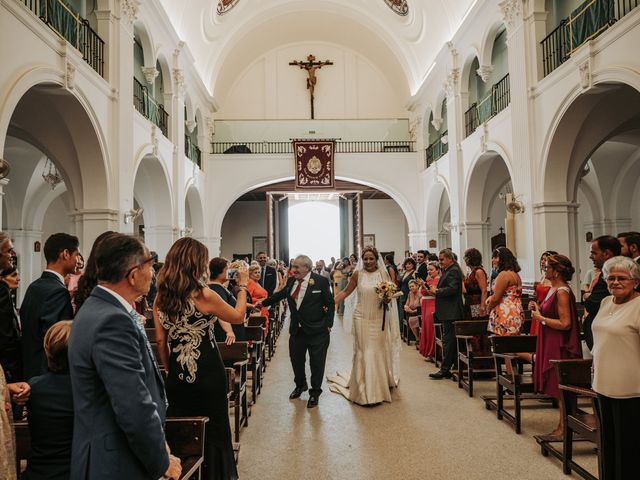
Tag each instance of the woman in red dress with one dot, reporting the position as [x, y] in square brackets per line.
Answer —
[428, 334]
[475, 285]
[257, 293]
[541, 288]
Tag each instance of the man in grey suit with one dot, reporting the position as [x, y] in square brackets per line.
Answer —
[118, 391]
[449, 308]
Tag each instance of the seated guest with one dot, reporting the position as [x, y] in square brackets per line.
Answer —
[505, 305]
[475, 285]
[558, 335]
[118, 391]
[51, 410]
[224, 331]
[408, 274]
[10, 355]
[412, 309]
[47, 300]
[616, 376]
[184, 313]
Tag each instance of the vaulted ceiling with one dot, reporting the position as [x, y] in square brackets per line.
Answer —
[402, 46]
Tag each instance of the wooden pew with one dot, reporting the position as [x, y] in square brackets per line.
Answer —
[474, 352]
[255, 337]
[237, 357]
[517, 384]
[261, 321]
[23, 443]
[185, 436]
[574, 378]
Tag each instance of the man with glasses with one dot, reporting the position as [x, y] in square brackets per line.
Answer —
[602, 249]
[47, 300]
[118, 391]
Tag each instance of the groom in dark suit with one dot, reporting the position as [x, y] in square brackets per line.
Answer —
[312, 309]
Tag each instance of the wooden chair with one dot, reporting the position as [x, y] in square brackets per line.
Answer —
[151, 335]
[237, 356]
[438, 356]
[517, 384]
[255, 337]
[474, 352]
[261, 321]
[185, 436]
[574, 378]
[23, 443]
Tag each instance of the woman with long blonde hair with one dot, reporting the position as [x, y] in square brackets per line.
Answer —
[185, 312]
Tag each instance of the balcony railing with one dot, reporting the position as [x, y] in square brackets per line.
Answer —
[287, 147]
[192, 151]
[496, 101]
[585, 23]
[73, 28]
[436, 150]
[148, 108]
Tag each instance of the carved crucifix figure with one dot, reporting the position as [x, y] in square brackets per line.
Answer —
[311, 66]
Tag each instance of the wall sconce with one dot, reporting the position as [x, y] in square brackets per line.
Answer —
[186, 232]
[132, 214]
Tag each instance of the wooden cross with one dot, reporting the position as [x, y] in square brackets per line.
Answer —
[311, 66]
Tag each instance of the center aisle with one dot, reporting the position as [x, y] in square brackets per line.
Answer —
[432, 430]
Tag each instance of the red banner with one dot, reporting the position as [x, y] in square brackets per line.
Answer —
[314, 164]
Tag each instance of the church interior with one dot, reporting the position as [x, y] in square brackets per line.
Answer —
[453, 124]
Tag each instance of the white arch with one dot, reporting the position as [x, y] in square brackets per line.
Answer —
[193, 201]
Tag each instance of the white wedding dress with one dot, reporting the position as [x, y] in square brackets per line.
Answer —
[376, 352]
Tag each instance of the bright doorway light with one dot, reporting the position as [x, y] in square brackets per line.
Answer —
[314, 229]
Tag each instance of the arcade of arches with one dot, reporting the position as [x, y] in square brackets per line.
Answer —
[175, 120]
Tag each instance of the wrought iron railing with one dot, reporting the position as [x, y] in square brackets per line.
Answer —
[496, 100]
[586, 22]
[148, 108]
[192, 151]
[73, 28]
[436, 150]
[287, 147]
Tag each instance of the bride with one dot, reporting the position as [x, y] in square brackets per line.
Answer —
[376, 344]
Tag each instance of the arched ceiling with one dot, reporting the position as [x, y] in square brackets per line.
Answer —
[403, 47]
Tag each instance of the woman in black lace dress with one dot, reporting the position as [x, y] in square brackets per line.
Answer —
[185, 312]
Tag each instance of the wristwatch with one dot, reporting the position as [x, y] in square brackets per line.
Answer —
[543, 321]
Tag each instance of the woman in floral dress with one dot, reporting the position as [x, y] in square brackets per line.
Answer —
[506, 315]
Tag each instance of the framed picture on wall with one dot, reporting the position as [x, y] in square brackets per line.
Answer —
[369, 239]
[259, 245]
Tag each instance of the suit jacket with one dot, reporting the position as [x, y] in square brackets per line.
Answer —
[270, 280]
[592, 306]
[51, 426]
[47, 301]
[423, 271]
[118, 394]
[449, 305]
[316, 310]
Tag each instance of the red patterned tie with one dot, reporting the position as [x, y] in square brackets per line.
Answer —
[295, 293]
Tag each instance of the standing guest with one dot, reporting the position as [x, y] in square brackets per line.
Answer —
[353, 260]
[224, 331]
[421, 264]
[257, 293]
[153, 289]
[475, 285]
[347, 271]
[184, 314]
[558, 336]
[392, 268]
[89, 279]
[72, 278]
[47, 300]
[602, 249]
[329, 267]
[630, 245]
[268, 278]
[428, 334]
[280, 280]
[10, 354]
[585, 288]
[336, 285]
[506, 316]
[541, 288]
[412, 309]
[50, 409]
[449, 308]
[616, 379]
[118, 391]
[320, 270]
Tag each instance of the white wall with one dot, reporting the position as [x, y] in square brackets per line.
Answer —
[243, 221]
[385, 220]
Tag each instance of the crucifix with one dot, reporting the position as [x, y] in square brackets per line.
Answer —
[311, 66]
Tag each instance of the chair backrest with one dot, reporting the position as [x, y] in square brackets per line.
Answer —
[573, 372]
[515, 344]
[236, 352]
[254, 334]
[257, 321]
[471, 327]
[186, 435]
[151, 334]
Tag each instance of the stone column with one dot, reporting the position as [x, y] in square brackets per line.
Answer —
[90, 223]
[417, 241]
[476, 234]
[159, 238]
[30, 262]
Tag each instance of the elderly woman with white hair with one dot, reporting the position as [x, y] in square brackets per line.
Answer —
[616, 368]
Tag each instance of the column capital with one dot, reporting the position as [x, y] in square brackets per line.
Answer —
[150, 74]
[511, 13]
[485, 71]
[129, 10]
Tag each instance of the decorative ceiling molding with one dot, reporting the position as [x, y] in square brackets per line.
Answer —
[401, 7]
[225, 6]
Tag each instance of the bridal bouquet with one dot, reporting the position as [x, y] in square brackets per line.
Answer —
[386, 292]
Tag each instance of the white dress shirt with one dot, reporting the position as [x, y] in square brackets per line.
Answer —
[303, 289]
[60, 277]
[128, 307]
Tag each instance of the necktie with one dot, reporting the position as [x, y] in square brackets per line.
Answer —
[264, 269]
[295, 293]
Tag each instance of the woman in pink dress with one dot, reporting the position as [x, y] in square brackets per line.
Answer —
[558, 337]
[428, 334]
